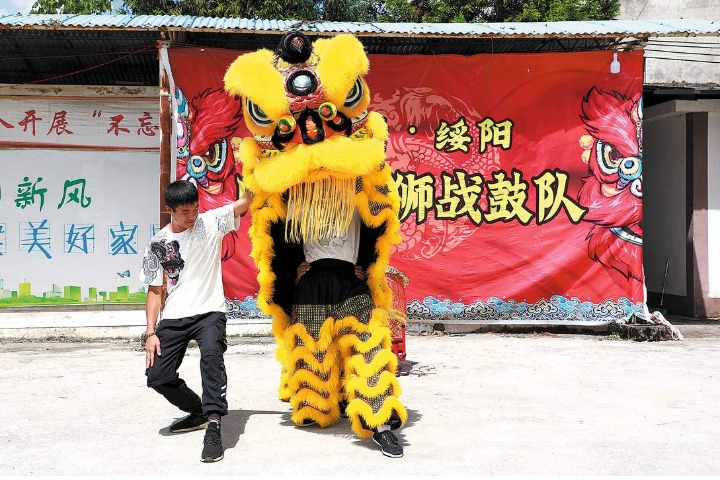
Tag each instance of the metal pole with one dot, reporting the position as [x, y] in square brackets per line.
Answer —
[662, 295]
[165, 135]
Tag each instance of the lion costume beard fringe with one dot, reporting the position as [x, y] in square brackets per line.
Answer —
[317, 149]
[322, 209]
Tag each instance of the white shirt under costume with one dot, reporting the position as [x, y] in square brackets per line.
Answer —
[344, 247]
[191, 261]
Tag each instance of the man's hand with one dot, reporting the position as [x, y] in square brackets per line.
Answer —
[241, 205]
[360, 273]
[301, 270]
[152, 345]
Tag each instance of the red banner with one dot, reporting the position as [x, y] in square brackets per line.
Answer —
[520, 177]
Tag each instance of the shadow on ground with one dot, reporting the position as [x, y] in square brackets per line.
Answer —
[233, 425]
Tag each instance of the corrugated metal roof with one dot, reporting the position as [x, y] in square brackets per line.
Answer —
[626, 28]
[120, 49]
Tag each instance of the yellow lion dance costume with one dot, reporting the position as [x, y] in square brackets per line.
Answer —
[317, 161]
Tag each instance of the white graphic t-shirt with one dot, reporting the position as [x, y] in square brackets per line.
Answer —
[344, 247]
[191, 261]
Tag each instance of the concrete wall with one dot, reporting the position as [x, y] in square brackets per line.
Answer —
[639, 9]
[681, 187]
[664, 203]
[693, 55]
[714, 204]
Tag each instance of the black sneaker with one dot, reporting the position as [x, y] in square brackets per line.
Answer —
[194, 421]
[308, 422]
[212, 449]
[388, 444]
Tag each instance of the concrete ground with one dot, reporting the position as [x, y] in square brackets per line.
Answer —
[479, 404]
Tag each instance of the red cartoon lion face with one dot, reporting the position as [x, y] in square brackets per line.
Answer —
[205, 127]
[613, 191]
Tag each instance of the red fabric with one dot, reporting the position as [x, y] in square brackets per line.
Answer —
[550, 101]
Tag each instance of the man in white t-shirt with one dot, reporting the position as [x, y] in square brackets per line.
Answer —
[187, 251]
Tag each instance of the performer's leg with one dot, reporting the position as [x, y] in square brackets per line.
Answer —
[162, 376]
[209, 332]
[370, 384]
[312, 366]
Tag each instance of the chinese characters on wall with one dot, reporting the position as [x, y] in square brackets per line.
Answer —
[461, 192]
[84, 123]
[35, 235]
[59, 124]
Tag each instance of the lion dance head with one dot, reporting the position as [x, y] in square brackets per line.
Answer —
[613, 191]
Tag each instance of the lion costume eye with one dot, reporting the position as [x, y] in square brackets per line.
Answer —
[355, 95]
[257, 115]
[608, 157]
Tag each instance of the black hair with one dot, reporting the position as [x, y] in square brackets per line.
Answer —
[180, 192]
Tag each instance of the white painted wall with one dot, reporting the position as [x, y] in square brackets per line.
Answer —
[692, 69]
[664, 202]
[639, 9]
[714, 204]
[117, 199]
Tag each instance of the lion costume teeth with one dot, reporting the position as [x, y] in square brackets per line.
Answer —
[316, 157]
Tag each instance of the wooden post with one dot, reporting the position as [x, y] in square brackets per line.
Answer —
[165, 135]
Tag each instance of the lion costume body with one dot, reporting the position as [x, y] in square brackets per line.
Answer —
[315, 161]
